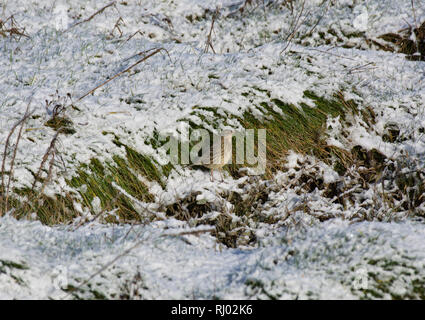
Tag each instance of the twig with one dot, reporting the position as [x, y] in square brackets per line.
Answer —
[296, 25]
[120, 73]
[264, 8]
[117, 26]
[333, 54]
[10, 176]
[12, 163]
[45, 157]
[82, 222]
[49, 171]
[92, 16]
[137, 32]
[139, 53]
[318, 20]
[414, 14]
[36, 195]
[361, 67]
[126, 252]
[14, 29]
[189, 232]
[107, 265]
[6, 146]
[208, 43]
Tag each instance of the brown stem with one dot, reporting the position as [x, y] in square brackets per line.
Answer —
[92, 16]
[5, 189]
[120, 73]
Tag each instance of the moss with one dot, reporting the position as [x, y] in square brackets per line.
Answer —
[61, 123]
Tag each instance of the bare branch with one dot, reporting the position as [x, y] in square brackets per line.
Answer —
[92, 16]
[5, 189]
[124, 71]
[208, 42]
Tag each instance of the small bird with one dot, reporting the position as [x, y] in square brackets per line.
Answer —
[220, 153]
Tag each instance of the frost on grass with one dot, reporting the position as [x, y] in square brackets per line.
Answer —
[335, 259]
[273, 237]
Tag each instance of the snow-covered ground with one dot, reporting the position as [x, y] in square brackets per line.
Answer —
[335, 259]
[304, 259]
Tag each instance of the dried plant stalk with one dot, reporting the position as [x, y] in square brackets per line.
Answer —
[92, 16]
[6, 189]
[124, 71]
[208, 42]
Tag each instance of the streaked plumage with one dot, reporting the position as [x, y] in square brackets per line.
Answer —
[220, 153]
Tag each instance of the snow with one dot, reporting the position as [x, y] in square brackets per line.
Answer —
[319, 263]
[298, 259]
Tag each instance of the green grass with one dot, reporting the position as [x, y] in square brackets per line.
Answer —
[97, 180]
[11, 265]
[61, 123]
[299, 129]
[288, 128]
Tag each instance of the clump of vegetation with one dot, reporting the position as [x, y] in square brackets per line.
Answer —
[410, 41]
[299, 129]
[118, 191]
[48, 208]
[61, 124]
[56, 108]
[233, 224]
[10, 28]
[382, 282]
[133, 288]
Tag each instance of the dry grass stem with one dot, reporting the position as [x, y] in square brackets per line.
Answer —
[124, 71]
[92, 16]
[13, 29]
[208, 42]
[6, 189]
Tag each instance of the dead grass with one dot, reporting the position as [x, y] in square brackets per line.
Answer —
[208, 42]
[119, 189]
[111, 4]
[5, 188]
[11, 29]
[409, 41]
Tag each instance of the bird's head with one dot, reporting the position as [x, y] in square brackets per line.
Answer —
[227, 133]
